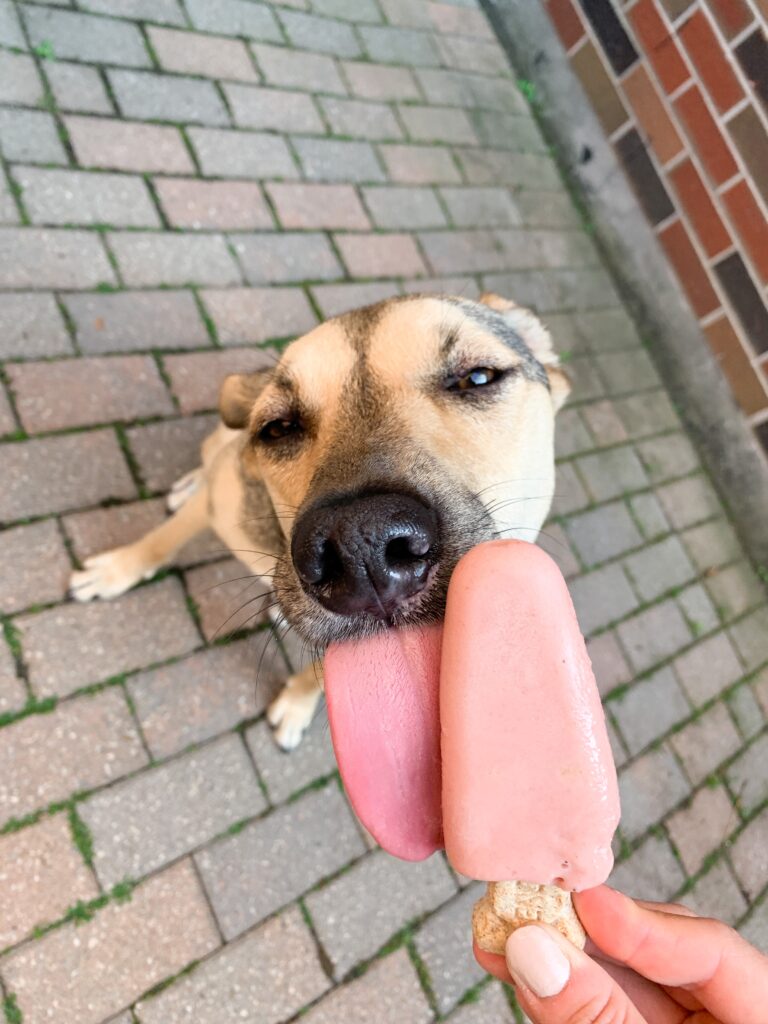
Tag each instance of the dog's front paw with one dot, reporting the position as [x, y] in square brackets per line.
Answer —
[290, 714]
[107, 575]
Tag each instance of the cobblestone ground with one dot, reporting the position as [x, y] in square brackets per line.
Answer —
[181, 184]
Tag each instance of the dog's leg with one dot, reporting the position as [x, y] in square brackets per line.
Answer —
[291, 712]
[183, 489]
[113, 572]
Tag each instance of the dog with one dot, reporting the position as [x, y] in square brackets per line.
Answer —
[355, 473]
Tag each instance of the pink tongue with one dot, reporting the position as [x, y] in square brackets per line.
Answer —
[382, 696]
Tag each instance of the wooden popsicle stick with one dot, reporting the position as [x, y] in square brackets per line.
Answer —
[510, 905]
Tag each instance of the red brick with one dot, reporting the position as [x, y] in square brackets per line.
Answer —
[711, 147]
[734, 361]
[77, 392]
[83, 744]
[750, 223]
[652, 115]
[318, 206]
[223, 205]
[690, 270]
[196, 377]
[701, 211]
[708, 55]
[658, 44]
[566, 21]
[196, 54]
[88, 972]
[35, 564]
[381, 255]
[128, 145]
[731, 15]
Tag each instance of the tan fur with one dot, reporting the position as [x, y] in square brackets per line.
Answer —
[490, 466]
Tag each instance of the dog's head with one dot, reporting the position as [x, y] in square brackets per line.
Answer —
[391, 440]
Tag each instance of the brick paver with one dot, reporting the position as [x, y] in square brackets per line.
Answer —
[187, 184]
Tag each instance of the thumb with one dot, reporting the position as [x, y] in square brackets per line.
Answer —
[558, 984]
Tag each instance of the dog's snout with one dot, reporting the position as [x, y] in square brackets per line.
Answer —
[365, 554]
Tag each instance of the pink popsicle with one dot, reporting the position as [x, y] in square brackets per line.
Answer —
[529, 784]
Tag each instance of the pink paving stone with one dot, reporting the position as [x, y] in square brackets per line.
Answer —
[459, 21]
[7, 419]
[41, 875]
[381, 255]
[196, 377]
[205, 55]
[244, 315]
[89, 972]
[702, 827]
[100, 529]
[128, 145]
[228, 598]
[608, 662]
[35, 564]
[378, 82]
[165, 451]
[222, 205]
[78, 392]
[760, 685]
[83, 744]
[339, 298]
[318, 206]
[13, 695]
[71, 646]
[748, 856]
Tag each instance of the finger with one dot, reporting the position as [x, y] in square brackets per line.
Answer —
[704, 957]
[652, 1001]
[556, 983]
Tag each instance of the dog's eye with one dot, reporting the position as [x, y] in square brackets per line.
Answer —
[275, 430]
[479, 377]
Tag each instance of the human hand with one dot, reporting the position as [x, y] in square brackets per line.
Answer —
[648, 963]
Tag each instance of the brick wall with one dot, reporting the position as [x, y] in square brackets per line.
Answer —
[681, 90]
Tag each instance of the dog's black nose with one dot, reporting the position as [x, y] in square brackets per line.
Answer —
[365, 554]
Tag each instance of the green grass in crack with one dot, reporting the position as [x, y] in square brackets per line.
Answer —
[81, 836]
[12, 1012]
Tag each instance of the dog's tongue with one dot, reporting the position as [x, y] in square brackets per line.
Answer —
[382, 696]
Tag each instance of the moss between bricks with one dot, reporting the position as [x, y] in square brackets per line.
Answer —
[12, 1012]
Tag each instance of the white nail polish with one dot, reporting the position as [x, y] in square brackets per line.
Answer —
[536, 961]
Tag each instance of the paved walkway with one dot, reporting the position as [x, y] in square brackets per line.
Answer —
[181, 182]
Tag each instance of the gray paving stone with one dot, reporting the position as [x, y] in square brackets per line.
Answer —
[570, 495]
[135, 321]
[346, 926]
[358, 119]
[325, 35]
[166, 12]
[649, 788]
[585, 379]
[745, 709]
[146, 259]
[165, 451]
[509, 131]
[649, 514]
[755, 929]
[13, 693]
[54, 197]
[83, 744]
[30, 136]
[688, 501]
[647, 413]
[9, 213]
[669, 456]
[71, 646]
[273, 109]
[235, 18]
[149, 96]
[654, 635]
[602, 597]
[702, 827]
[612, 473]
[547, 209]
[500, 167]
[243, 315]
[234, 154]
[471, 90]
[349, 10]
[85, 972]
[659, 568]
[405, 14]
[284, 774]
[36, 566]
[10, 29]
[708, 668]
[747, 855]
[717, 895]
[248, 980]
[333, 160]
[554, 541]
[442, 943]
[145, 822]
[749, 636]
[389, 993]
[206, 694]
[650, 709]
[651, 872]
[275, 259]
[339, 298]
[603, 533]
[83, 37]
[490, 1005]
[604, 423]
[735, 589]
[480, 207]
[746, 776]
[39, 479]
[712, 544]
[455, 252]
[292, 69]
[399, 46]
[406, 208]
[438, 124]
[20, 81]
[706, 742]
[608, 662]
[31, 326]
[250, 875]
[697, 607]
[78, 87]
[571, 435]
[50, 258]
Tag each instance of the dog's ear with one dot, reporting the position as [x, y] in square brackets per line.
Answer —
[238, 393]
[537, 338]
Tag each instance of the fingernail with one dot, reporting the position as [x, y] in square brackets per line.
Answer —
[536, 961]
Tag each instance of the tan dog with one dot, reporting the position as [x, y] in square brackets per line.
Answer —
[355, 473]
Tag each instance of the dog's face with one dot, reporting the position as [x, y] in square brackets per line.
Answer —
[391, 440]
